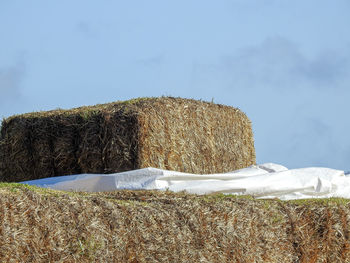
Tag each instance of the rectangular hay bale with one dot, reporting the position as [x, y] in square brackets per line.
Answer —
[169, 133]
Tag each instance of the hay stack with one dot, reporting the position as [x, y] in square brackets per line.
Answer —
[42, 225]
[168, 133]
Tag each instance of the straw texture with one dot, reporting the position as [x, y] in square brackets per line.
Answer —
[168, 133]
[150, 226]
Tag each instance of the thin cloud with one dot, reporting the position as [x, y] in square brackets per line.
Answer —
[10, 82]
[280, 64]
[86, 30]
[325, 70]
[151, 61]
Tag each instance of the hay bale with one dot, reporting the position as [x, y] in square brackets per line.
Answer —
[42, 225]
[168, 133]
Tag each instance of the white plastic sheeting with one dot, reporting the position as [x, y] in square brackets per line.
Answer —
[261, 181]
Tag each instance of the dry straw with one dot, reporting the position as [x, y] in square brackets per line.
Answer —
[149, 226]
[169, 133]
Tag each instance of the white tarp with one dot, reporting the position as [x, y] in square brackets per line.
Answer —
[262, 181]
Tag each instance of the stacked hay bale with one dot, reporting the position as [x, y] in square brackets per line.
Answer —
[168, 133]
[42, 225]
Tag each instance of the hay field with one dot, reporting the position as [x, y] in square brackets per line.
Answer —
[41, 225]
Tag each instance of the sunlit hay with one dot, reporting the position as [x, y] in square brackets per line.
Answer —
[194, 136]
[168, 133]
[150, 226]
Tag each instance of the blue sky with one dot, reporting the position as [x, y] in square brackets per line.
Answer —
[286, 64]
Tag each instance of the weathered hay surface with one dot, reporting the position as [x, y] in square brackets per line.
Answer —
[149, 226]
[168, 133]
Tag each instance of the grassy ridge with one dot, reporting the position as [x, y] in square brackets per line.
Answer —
[41, 225]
